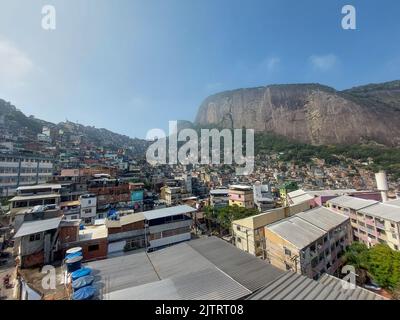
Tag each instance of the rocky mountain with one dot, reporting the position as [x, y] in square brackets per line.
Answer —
[310, 113]
[14, 122]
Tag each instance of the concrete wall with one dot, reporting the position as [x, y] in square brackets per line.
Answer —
[169, 240]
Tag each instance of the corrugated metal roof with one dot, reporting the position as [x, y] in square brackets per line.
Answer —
[207, 268]
[394, 202]
[40, 186]
[251, 272]
[384, 211]
[352, 202]
[178, 260]
[358, 293]
[167, 212]
[219, 191]
[32, 227]
[125, 271]
[208, 284]
[297, 231]
[293, 286]
[299, 199]
[323, 218]
[330, 193]
[35, 197]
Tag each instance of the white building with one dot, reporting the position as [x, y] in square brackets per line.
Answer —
[88, 208]
[20, 170]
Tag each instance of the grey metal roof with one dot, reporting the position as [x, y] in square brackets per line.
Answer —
[32, 227]
[323, 218]
[167, 212]
[297, 231]
[125, 271]
[219, 191]
[354, 294]
[394, 202]
[251, 272]
[207, 268]
[292, 286]
[35, 197]
[208, 284]
[384, 211]
[352, 202]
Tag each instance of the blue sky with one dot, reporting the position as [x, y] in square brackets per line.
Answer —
[130, 65]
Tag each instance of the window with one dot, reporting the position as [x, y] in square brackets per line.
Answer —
[288, 252]
[93, 247]
[238, 239]
[238, 228]
[34, 237]
[88, 220]
[288, 267]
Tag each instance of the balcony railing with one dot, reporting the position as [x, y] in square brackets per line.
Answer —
[371, 222]
[380, 225]
[382, 236]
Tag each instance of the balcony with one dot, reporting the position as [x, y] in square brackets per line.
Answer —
[382, 236]
[353, 215]
[380, 225]
[371, 222]
[365, 229]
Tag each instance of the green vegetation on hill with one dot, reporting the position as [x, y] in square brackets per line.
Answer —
[383, 158]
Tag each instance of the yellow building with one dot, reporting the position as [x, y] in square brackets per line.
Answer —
[248, 233]
[310, 243]
[241, 196]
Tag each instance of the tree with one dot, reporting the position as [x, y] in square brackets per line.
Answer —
[357, 255]
[380, 263]
[384, 265]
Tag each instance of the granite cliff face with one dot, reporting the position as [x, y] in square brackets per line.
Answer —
[310, 113]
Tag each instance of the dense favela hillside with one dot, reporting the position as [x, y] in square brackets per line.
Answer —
[311, 113]
[17, 127]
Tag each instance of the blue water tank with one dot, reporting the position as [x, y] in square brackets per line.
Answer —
[73, 255]
[74, 263]
[82, 282]
[82, 272]
[85, 293]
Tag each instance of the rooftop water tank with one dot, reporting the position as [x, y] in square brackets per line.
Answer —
[85, 293]
[74, 263]
[82, 272]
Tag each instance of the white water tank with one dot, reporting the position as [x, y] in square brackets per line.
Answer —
[381, 181]
[382, 184]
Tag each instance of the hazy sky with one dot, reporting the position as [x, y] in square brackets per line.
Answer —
[131, 66]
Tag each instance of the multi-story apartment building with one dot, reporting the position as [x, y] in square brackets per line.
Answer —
[109, 192]
[241, 196]
[88, 208]
[219, 198]
[38, 195]
[248, 233]
[309, 243]
[173, 195]
[29, 197]
[263, 198]
[372, 222]
[168, 226]
[22, 170]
